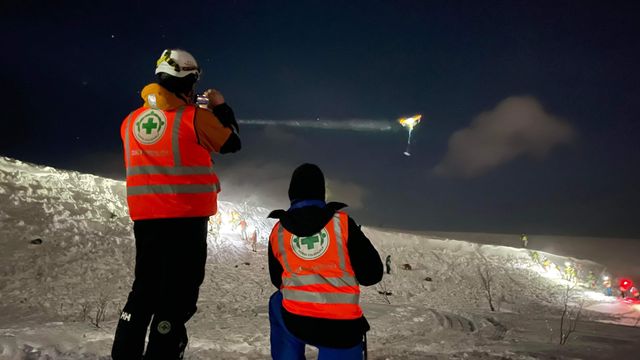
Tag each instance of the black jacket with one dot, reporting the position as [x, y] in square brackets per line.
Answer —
[225, 114]
[365, 262]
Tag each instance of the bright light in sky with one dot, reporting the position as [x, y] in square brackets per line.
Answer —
[410, 123]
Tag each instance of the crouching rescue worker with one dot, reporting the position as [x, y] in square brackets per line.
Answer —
[318, 257]
[171, 192]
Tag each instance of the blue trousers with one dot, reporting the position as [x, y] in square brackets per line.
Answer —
[285, 346]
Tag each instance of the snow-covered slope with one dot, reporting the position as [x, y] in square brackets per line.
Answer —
[66, 251]
[620, 256]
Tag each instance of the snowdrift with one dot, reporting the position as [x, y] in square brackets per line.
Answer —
[67, 257]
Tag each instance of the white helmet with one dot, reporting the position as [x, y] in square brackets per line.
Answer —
[178, 63]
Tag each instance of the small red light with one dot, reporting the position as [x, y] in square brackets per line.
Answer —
[625, 284]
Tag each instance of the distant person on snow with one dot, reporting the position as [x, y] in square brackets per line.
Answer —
[606, 282]
[235, 219]
[253, 238]
[244, 235]
[387, 263]
[171, 192]
[525, 240]
[216, 224]
[591, 280]
[570, 273]
[318, 257]
[535, 256]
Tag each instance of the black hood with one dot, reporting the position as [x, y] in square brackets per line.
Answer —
[307, 183]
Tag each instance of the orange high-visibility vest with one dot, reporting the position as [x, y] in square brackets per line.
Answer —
[169, 175]
[318, 280]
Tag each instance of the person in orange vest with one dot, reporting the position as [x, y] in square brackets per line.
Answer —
[243, 230]
[171, 192]
[253, 239]
[318, 258]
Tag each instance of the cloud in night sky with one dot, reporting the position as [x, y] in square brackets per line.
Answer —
[517, 126]
[259, 178]
[346, 192]
[239, 185]
[256, 182]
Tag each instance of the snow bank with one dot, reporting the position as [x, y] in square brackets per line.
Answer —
[68, 251]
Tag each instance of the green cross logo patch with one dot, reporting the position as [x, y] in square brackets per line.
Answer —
[150, 126]
[310, 247]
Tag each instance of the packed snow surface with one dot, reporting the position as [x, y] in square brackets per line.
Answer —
[67, 255]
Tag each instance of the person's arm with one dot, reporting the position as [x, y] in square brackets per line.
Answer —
[216, 127]
[221, 110]
[275, 269]
[232, 144]
[213, 135]
[365, 259]
[227, 118]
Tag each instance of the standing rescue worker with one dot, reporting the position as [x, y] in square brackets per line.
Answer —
[525, 240]
[592, 280]
[318, 257]
[171, 192]
[244, 234]
[606, 282]
[253, 238]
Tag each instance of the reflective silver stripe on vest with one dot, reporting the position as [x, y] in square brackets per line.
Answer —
[314, 279]
[171, 189]
[127, 146]
[175, 138]
[281, 248]
[339, 240]
[169, 170]
[320, 298]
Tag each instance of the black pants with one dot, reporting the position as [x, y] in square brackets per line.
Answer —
[170, 261]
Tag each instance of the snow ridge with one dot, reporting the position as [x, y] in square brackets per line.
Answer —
[68, 251]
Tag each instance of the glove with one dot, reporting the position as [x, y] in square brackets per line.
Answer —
[215, 97]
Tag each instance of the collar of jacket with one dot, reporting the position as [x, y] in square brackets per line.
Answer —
[157, 97]
[332, 206]
[297, 204]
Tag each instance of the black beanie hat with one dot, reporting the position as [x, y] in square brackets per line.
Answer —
[307, 183]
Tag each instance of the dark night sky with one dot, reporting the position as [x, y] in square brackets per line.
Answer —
[73, 71]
